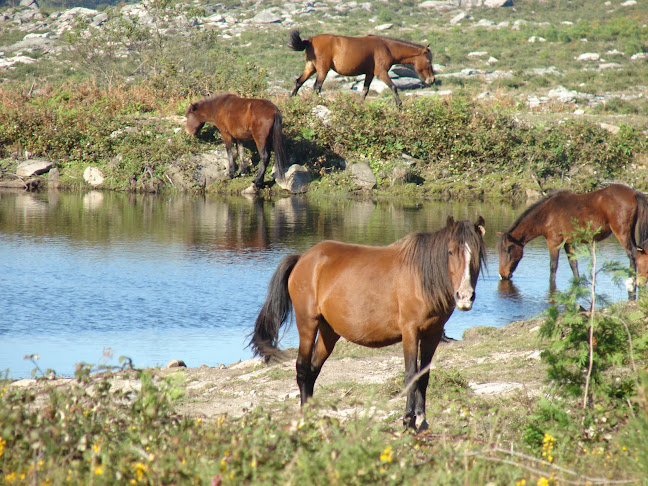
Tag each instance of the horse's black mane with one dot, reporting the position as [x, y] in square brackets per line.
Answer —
[409, 43]
[427, 253]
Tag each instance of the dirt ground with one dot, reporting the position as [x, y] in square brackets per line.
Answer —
[493, 362]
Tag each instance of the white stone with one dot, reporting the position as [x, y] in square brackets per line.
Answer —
[296, 179]
[33, 167]
[93, 176]
[588, 56]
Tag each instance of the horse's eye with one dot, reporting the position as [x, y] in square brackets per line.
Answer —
[450, 252]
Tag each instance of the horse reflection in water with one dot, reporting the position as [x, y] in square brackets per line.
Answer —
[374, 296]
[616, 209]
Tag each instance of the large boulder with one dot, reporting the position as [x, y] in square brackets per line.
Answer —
[33, 167]
[93, 176]
[296, 179]
[363, 176]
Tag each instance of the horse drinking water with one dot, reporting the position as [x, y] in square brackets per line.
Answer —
[371, 55]
[240, 119]
[374, 296]
[617, 209]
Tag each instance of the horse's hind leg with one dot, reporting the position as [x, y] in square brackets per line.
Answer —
[307, 328]
[367, 83]
[326, 340]
[264, 156]
[309, 70]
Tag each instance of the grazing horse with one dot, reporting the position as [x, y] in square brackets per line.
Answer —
[617, 209]
[371, 55]
[374, 296]
[240, 119]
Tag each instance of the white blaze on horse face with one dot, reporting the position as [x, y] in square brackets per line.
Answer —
[465, 292]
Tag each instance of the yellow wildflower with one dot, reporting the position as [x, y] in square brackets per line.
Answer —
[521, 482]
[11, 477]
[386, 455]
[98, 470]
[543, 481]
[2, 446]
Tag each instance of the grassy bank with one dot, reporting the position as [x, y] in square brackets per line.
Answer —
[435, 147]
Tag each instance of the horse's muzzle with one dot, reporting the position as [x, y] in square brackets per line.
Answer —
[429, 81]
[506, 277]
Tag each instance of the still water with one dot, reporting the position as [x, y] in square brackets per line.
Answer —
[92, 277]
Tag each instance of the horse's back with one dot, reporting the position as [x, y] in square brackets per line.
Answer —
[243, 117]
[346, 55]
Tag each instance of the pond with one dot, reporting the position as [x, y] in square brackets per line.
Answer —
[95, 276]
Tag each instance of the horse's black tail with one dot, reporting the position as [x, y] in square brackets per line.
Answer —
[281, 159]
[642, 218]
[275, 311]
[296, 43]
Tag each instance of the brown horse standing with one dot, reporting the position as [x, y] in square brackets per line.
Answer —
[374, 296]
[240, 119]
[617, 209]
[371, 55]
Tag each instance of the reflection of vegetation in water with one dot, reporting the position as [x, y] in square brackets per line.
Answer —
[231, 222]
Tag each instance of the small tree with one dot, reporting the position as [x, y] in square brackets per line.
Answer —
[584, 342]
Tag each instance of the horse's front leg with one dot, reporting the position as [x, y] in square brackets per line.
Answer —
[410, 351]
[245, 167]
[427, 348]
[573, 263]
[384, 77]
[553, 264]
[231, 166]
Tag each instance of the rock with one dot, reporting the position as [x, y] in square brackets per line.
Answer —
[211, 166]
[296, 179]
[610, 128]
[588, 56]
[323, 113]
[33, 167]
[363, 176]
[477, 54]
[533, 39]
[407, 83]
[459, 17]
[176, 363]
[562, 94]
[402, 71]
[93, 176]
[29, 3]
[266, 17]
[498, 3]
[252, 190]
[384, 27]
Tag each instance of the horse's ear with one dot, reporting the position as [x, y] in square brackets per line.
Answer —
[192, 107]
[641, 250]
[480, 225]
[450, 223]
[499, 233]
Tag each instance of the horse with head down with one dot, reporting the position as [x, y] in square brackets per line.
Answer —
[239, 119]
[371, 55]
